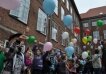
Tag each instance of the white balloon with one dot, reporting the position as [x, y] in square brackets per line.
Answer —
[84, 55]
[65, 35]
[95, 40]
[71, 44]
[99, 47]
[74, 40]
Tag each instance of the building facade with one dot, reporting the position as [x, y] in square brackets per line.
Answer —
[31, 14]
[89, 21]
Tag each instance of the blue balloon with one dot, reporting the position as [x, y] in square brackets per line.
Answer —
[82, 62]
[67, 20]
[69, 51]
[49, 6]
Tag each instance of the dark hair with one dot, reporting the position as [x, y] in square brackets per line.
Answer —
[96, 51]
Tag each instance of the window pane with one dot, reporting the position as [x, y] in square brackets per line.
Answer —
[62, 13]
[56, 8]
[42, 22]
[67, 3]
[22, 12]
[71, 10]
[104, 34]
[93, 23]
[105, 22]
[54, 31]
[96, 34]
[85, 24]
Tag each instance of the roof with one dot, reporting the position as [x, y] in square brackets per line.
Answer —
[94, 12]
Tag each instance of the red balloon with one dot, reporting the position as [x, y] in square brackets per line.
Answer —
[87, 32]
[77, 30]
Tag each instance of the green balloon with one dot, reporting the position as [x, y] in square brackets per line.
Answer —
[89, 38]
[31, 39]
[100, 23]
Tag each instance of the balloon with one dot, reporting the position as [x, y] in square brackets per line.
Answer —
[99, 47]
[95, 40]
[69, 51]
[100, 23]
[84, 47]
[84, 40]
[87, 31]
[49, 6]
[71, 44]
[74, 41]
[89, 38]
[47, 46]
[10, 4]
[77, 30]
[65, 35]
[84, 55]
[91, 46]
[31, 39]
[67, 20]
[82, 62]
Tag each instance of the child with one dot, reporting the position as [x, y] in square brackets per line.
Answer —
[37, 64]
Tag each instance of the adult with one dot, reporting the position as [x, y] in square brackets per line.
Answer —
[96, 60]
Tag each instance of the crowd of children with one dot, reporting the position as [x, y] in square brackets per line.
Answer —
[16, 59]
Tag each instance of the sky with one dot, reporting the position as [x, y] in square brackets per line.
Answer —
[84, 5]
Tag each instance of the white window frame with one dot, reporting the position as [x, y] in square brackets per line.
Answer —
[57, 7]
[42, 22]
[62, 13]
[54, 34]
[67, 4]
[71, 9]
[94, 23]
[105, 22]
[85, 25]
[104, 34]
[96, 35]
[22, 12]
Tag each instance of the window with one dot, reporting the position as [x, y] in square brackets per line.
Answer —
[104, 34]
[54, 31]
[93, 23]
[105, 22]
[22, 12]
[56, 8]
[67, 4]
[96, 34]
[85, 24]
[63, 42]
[62, 13]
[42, 22]
[71, 10]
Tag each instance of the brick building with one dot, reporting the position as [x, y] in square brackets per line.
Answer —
[30, 14]
[89, 20]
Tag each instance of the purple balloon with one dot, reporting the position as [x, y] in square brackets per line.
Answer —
[9, 4]
[47, 46]
[84, 47]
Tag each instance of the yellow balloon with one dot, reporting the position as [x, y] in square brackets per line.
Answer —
[84, 40]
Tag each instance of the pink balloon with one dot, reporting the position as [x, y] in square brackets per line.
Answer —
[10, 4]
[47, 46]
[74, 40]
